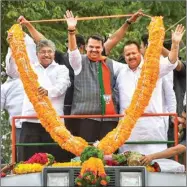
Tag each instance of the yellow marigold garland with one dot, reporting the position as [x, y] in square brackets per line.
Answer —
[42, 105]
[23, 168]
[146, 83]
[66, 164]
[28, 168]
[52, 123]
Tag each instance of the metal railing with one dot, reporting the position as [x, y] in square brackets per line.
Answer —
[94, 116]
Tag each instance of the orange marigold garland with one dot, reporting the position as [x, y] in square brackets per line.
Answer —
[42, 105]
[66, 164]
[146, 83]
[92, 171]
[49, 117]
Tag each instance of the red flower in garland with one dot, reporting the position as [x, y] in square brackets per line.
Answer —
[41, 158]
[3, 174]
[156, 167]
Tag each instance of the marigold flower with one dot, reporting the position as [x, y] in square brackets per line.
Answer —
[42, 105]
[146, 84]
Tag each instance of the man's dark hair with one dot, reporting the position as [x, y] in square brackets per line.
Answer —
[96, 37]
[129, 42]
[167, 44]
[80, 40]
[144, 39]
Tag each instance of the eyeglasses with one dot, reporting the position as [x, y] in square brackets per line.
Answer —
[50, 52]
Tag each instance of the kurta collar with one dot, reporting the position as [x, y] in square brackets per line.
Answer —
[39, 65]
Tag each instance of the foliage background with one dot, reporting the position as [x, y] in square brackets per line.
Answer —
[172, 11]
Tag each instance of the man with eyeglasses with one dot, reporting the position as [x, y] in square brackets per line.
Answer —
[152, 128]
[54, 81]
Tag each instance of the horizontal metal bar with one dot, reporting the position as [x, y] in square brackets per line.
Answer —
[99, 116]
[129, 142]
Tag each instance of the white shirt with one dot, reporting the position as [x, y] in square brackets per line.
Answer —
[169, 98]
[55, 79]
[75, 60]
[12, 94]
[169, 94]
[146, 128]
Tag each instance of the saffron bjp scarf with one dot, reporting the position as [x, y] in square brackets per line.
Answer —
[105, 86]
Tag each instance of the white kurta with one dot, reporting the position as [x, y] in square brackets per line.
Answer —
[12, 95]
[146, 128]
[55, 79]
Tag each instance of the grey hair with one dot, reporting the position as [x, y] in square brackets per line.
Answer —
[45, 43]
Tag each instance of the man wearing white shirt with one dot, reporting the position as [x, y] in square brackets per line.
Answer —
[146, 128]
[54, 81]
[12, 95]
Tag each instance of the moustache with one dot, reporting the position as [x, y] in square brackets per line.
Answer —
[132, 59]
[46, 58]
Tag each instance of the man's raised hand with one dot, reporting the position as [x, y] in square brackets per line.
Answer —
[178, 34]
[71, 20]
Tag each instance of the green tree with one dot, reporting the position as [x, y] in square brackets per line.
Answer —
[57, 31]
[5, 138]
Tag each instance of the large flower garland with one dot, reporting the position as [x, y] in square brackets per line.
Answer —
[48, 116]
[114, 139]
[146, 84]
[42, 105]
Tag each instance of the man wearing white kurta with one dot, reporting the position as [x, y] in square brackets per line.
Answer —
[54, 81]
[146, 128]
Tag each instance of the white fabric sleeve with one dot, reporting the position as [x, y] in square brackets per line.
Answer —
[75, 60]
[169, 94]
[31, 49]
[166, 66]
[62, 82]
[11, 67]
[117, 67]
